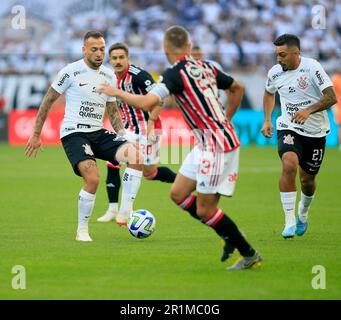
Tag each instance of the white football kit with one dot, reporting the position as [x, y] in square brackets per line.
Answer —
[214, 172]
[299, 89]
[85, 109]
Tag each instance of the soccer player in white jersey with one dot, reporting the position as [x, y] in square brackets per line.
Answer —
[306, 92]
[82, 134]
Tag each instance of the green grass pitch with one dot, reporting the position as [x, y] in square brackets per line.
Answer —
[38, 205]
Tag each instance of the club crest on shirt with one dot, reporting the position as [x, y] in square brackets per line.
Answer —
[194, 72]
[87, 150]
[128, 87]
[288, 139]
[302, 82]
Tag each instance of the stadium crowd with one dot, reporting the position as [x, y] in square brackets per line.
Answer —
[236, 33]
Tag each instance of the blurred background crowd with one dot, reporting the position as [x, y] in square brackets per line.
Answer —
[236, 33]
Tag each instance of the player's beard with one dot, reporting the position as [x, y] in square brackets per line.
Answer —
[95, 64]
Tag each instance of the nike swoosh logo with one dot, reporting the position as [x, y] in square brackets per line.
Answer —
[82, 84]
[280, 87]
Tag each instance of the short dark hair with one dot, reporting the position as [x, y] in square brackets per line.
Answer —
[119, 45]
[288, 39]
[93, 34]
[177, 36]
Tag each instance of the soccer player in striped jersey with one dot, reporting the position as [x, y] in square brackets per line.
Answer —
[212, 166]
[140, 127]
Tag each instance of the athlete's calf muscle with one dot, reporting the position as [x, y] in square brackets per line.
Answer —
[182, 187]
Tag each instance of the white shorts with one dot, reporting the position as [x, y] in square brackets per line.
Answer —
[213, 172]
[150, 150]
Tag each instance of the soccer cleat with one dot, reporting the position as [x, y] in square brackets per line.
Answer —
[108, 216]
[243, 263]
[83, 235]
[289, 232]
[301, 227]
[122, 219]
[228, 249]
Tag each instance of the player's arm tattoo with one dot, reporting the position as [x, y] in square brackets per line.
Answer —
[50, 97]
[326, 101]
[115, 117]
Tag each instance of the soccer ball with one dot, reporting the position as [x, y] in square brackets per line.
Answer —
[141, 223]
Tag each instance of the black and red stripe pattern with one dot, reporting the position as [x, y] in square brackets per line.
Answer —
[195, 86]
[135, 81]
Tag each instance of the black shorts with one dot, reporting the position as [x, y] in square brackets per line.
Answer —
[100, 144]
[310, 151]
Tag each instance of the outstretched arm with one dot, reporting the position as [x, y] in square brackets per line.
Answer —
[328, 99]
[34, 143]
[145, 102]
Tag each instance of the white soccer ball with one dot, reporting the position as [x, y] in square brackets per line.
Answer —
[141, 223]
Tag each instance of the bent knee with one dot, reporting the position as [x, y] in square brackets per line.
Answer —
[290, 162]
[129, 154]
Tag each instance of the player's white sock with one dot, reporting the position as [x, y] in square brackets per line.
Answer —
[86, 203]
[131, 181]
[113, 207]
[303, 207]
[288, 202]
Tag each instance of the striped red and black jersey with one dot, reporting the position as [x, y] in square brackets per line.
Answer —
[136, 81]
[195, 84]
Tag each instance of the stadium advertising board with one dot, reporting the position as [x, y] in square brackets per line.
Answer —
[175, 132]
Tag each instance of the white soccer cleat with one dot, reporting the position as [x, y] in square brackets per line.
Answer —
[83, 235]
[108, 216]
[122, 219]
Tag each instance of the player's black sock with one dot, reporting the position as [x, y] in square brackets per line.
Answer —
[223, 226]
[229, 231]
[189, 204]
[113, 184]
[163, 174]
